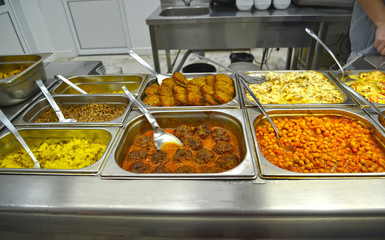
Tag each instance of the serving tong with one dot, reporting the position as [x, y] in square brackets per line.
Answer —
[244, 82]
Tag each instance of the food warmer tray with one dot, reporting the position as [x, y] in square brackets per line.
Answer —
[337, 75]
[376, 117]
[270, 171]
[34, 136]
[235, 103]
[22, 86]
[348, 102]
[102, 84]
[230, 119]
[28, 117]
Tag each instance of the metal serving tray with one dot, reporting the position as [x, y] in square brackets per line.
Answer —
[35, 136]
[269, 170]
[22, 86]
[32, 113]
[235, 103]
[348, 101]
[102, 84]
[376, 117]
[230, 119]
[337, 75]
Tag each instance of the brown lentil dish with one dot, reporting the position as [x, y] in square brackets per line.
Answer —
[93, 112]
[329, 144]
[200, 91]
[190, 158]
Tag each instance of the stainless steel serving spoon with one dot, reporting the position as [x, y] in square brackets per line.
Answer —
[159, 77]
[60, 77]
[160, 137]
[243, 81]
[313, 35]
[53, 104]
[14, 131]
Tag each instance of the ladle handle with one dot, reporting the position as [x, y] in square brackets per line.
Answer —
[71, 84]
[141, 61]
[144, 110]
[50, 99]
[244, 84]
[311, 33]
[13, 130]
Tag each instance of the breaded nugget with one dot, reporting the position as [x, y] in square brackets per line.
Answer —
[180, 79]
[181, 99]
[223, 78]
[166, 101]
[210, 80]
[224, 87]
[179, 89]
[209, 99]
[222, 97]
[152, 100]
[152, 90]
[165, 91]
[207, 89]
[193, 88]
[168, 82]
[200, 81]
[195, 98]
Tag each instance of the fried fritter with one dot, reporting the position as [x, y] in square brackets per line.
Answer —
[167, 101]
[199, 81]
[152, 100]
[223, 78]
[165, 91]
[209, 99]
[193, 88]
[179, 90]
[195, 98]
[181, 99]
[152, 90]
[168, 82]
[222, 97]
[224, 87]
[210, 80]
[207, 89]
[180, 79]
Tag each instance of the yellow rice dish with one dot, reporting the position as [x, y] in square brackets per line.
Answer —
[296, 88]
[66, 154]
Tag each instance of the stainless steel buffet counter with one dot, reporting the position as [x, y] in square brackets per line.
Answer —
[228, 28]
[86, 206]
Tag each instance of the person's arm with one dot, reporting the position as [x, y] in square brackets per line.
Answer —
[375, 9]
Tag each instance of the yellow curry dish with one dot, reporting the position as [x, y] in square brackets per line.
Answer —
[307, 87]
[371, 85]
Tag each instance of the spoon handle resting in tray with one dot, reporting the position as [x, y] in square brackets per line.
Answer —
[14, 131]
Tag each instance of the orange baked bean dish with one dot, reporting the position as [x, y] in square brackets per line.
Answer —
[205, 150]
[329, 144]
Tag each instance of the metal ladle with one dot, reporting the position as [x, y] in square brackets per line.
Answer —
[14, 131]
[160, 137]
[60, 77]
[53, 104]
[243, 81]
[312, 34]
[159, 77]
